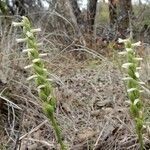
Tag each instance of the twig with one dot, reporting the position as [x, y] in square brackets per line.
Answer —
[33, 130]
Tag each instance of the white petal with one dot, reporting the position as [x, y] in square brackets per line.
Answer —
[129, 49]
[36, 60]
[42, 55]
[137, 44]
[138, 58]
[142, 83]
[141, 91]
[138, 68]
[21, 40]
[27, 50]
[131, 90]
[29, 34]
[41, 86]
[16, 24]
[136, 101]
[127, 78]
[137, 74]
[122, 53]
[45, 70]
[31, 77]
[51, 80]
[35, 30]
[39, 44]
[126, 65]
[29, 66]
[122, 40]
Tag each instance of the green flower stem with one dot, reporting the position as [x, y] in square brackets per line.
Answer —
[133, 87]
[40, 75]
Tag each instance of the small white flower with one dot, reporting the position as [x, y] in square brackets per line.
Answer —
[21, 40]
[36, 60]
[127, 78]
[138, 59]
[129, 49]
[141, 91]
[131, 90]
[45, 70]
[41, 86]
[39, 44]
[122, 40]
[27, 50]
[29, 34]
[31, 77]
[136, 101]
[51, 80]
[126, 65]
[138, 68]
[43, 55]
[29, 66]
[122, 53]
[142, 83]
[35, 30]
[137, 44]
[16, 24]
[137, 74]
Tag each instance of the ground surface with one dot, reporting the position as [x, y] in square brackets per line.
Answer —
[92, 108]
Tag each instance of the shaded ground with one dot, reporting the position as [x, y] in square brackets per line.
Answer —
[91, 108]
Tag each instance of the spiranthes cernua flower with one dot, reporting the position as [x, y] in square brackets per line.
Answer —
[31, 77]
[127, 65]
[29, 66]
[40, 74]
[36, 30]
[133, 84]
[136, 44]
[21, 40]
[129, 49]
[122, 40]
[17, 24]
[27, 50]
[131, 90]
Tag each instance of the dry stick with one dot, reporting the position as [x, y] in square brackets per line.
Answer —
[33, 130]
[19, 131]
[99, 136]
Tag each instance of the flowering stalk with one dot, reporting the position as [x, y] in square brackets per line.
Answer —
[40, 75]
[133, 87]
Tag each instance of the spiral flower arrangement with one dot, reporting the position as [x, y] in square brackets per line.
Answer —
[40, 75]
[133, 86]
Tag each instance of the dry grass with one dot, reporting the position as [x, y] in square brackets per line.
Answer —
[91, 102]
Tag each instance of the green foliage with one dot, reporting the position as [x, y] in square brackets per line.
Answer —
[40, 75]
[143, 12]
[103, 13]
[3, 8]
